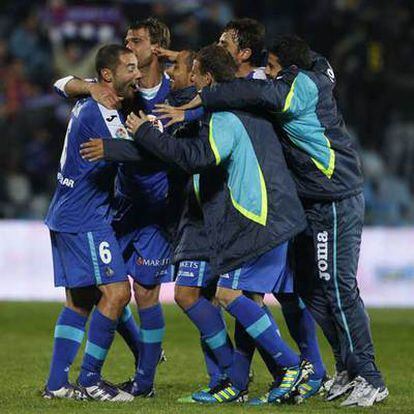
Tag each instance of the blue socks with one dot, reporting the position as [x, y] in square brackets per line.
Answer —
[129, 330]
[152, 334]
[215, 373]
[263, 330]
[100, 336]
[302, 329]
[209, 321]
[69, 332]
[243, 354]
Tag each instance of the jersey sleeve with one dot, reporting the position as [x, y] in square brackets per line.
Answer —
[120, 150]
[60, 84]
[247, 94]
[191, 155]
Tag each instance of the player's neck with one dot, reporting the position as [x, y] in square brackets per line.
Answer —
[110, 85]
[151, 75]
[244, 69]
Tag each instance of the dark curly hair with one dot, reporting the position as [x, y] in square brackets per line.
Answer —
[291, 50]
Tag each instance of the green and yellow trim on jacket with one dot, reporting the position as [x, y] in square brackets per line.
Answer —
[300, 121]
[233, 149]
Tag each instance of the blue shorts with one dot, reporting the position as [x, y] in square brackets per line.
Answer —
[87, 259]
[147, 254]
[195, 273]
[268, 273]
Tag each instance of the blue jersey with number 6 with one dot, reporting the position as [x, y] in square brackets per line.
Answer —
[82, 198]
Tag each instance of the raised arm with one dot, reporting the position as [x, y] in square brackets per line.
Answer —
[73, 87]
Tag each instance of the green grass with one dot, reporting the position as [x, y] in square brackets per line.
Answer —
[26, 343]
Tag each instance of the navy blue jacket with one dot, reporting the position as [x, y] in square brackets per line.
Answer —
[316, 144]
[248, 198]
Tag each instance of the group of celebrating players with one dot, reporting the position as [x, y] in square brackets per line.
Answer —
[231, 172]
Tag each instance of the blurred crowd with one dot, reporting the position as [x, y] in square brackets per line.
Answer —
[369, 44]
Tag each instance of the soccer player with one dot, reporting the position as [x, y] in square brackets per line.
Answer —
[250, 210]
[195, 283]
[87, 259]
[141, 197]
[244, 39]
[328, 177]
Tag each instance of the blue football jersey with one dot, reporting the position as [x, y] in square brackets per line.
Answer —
[147, 188]
[82, 198]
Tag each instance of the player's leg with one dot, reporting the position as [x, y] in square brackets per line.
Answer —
[259, 276]
[68, 336]
[151, 337]
[149, 266]
[308, 286]
[193, 283]
[245, 347]
[104, 264]
[302, 329]
[130, 332]
[204, 314]
[341, 233]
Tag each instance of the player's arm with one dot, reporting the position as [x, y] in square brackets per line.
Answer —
[272, 96]
[118, 150]
[73, 87]
[191, 155]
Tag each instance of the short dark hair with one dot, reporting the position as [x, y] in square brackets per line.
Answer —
[250, 35]
[108, 57]
[158, 31]
[218, 61]
[291, 50]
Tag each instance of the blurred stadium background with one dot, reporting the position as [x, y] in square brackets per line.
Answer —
[370, 46]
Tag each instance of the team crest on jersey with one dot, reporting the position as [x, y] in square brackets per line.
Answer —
[109, 271]
[121, 133]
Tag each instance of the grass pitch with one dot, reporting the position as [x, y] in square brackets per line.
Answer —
[26, 331]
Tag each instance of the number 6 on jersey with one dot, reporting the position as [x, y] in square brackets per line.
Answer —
[105, 253]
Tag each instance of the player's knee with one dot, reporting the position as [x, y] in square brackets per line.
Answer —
[185, 296]
[256, 297]
[146, 296]
[118, 294]
[226, 296]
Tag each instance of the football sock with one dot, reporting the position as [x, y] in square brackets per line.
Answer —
[214, 372]
[265, 333]
[152, 335]
[129, 330]
[243, 354]
[302, 329]
[209, 321]
[69, 332]
[100, 336]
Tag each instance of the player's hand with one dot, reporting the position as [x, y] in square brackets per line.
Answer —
[172, 113]
[171, 55]
[133, 121]
[92, 150]
[104, 95]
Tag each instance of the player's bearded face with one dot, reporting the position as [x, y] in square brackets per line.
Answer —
[126, 75]
[229, 41]
[138, 41]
